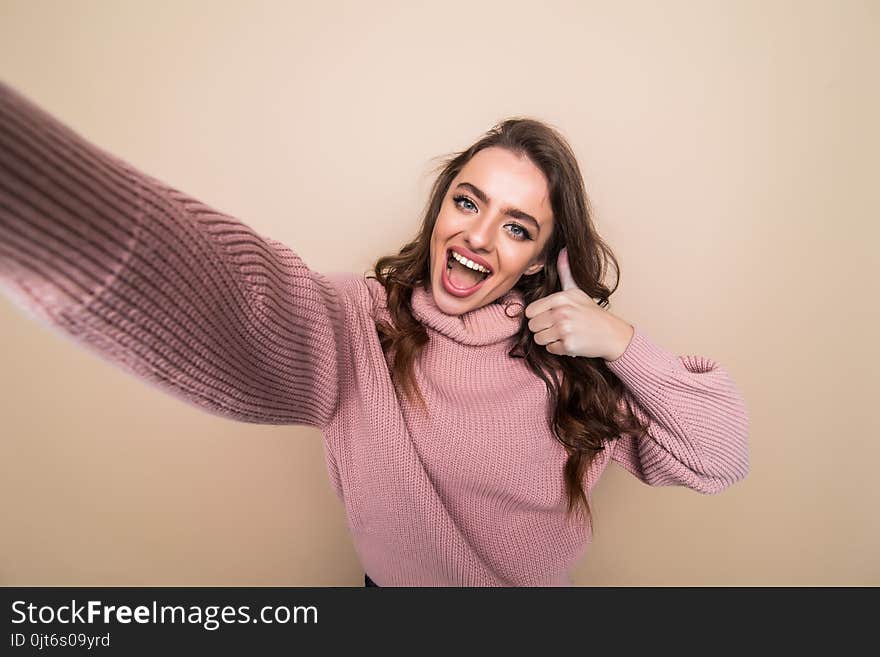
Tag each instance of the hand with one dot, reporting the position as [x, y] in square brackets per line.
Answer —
[570, 323]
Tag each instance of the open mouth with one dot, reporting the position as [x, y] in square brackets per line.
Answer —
[460, 279]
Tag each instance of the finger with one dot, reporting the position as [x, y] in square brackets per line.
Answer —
[540, 322]
[546, 336]
[564, 270]
[556, 347]
[543, 304]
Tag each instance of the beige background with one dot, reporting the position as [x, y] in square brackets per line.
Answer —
[729, 149]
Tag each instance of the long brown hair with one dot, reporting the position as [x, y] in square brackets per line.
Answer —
[586, 408]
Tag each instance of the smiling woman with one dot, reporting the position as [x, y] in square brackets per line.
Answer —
[462, 446]
[509, 204]
[487, 236]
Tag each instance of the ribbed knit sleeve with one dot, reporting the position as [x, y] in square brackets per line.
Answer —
[697, 420]
[186, 298]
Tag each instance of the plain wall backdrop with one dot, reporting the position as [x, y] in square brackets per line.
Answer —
[730, 153]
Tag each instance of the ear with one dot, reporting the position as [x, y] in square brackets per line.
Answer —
[534, 268]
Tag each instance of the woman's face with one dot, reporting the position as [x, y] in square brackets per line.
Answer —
[497, 213]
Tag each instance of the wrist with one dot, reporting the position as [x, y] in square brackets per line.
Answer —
[623, 334]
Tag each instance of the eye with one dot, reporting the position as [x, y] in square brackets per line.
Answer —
[459, 199]
[524, 234]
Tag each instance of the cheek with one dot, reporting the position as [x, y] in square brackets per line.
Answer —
[515, 264]
[439, 234]
[443, 223]
[444, 228]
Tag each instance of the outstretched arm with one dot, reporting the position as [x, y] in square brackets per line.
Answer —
[183, 296]
[697, 420]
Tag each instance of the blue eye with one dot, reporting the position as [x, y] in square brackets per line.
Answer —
[459, 199]
[524, 235]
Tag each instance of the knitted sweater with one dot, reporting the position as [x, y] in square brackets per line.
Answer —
[199, 305]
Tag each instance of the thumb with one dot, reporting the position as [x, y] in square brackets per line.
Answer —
[564, 270]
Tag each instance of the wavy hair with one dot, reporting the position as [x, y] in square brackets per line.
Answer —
[587, 406]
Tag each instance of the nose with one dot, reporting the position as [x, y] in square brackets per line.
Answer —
[480, 234]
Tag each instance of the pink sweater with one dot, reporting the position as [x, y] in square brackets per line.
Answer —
[198, 304]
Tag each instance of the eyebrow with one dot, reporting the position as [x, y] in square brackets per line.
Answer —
[511, 212]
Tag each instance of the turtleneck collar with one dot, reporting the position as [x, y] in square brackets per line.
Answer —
[489, 324]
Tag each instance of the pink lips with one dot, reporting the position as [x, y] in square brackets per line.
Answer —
[455, 291]
[460, 250]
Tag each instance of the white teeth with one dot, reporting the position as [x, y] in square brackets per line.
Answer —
[470, 263]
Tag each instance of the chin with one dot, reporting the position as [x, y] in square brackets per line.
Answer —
[449, 304]
[452, 305]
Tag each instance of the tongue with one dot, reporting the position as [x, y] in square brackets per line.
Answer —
[464, 277]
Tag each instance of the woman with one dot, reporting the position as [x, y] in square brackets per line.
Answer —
[470, 393]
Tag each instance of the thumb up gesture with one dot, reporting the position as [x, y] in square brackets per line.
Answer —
[570, 323]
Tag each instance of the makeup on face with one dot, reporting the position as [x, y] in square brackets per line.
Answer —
[463, 276]
[492, 224]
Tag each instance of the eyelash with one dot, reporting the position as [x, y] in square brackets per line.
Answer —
[525, 235]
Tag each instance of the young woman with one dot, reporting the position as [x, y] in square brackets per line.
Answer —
[470, 391]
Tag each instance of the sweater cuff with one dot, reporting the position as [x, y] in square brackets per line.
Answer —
[642, 356]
